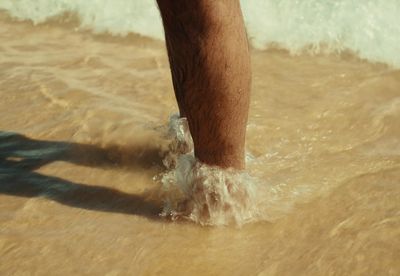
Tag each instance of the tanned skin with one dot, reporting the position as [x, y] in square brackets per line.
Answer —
[210, 65]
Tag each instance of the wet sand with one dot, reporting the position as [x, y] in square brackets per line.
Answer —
[82, 136]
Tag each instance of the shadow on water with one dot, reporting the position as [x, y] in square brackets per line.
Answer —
[20, 156]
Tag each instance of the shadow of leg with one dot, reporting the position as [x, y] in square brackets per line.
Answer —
[18, 182]
[20, 156]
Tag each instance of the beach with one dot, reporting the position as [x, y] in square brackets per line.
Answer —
[83, 132]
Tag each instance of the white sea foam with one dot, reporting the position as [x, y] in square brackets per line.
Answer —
[369, 28]
[118, 17]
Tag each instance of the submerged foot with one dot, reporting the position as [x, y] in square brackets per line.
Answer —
[195, 191]
[208, 195]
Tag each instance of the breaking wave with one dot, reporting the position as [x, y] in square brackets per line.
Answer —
[368, 28]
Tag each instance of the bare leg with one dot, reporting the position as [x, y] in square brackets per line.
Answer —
[210, 64]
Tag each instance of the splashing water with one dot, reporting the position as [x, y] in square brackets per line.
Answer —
[204, 194]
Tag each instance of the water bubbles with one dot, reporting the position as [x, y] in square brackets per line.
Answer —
[204, 194]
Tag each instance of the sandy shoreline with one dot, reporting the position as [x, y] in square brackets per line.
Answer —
[81, 138]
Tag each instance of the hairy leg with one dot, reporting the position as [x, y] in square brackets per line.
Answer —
[210, 64]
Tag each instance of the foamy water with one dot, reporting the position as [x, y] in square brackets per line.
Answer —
[368, 28]
[204, 194]
[213, 196]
